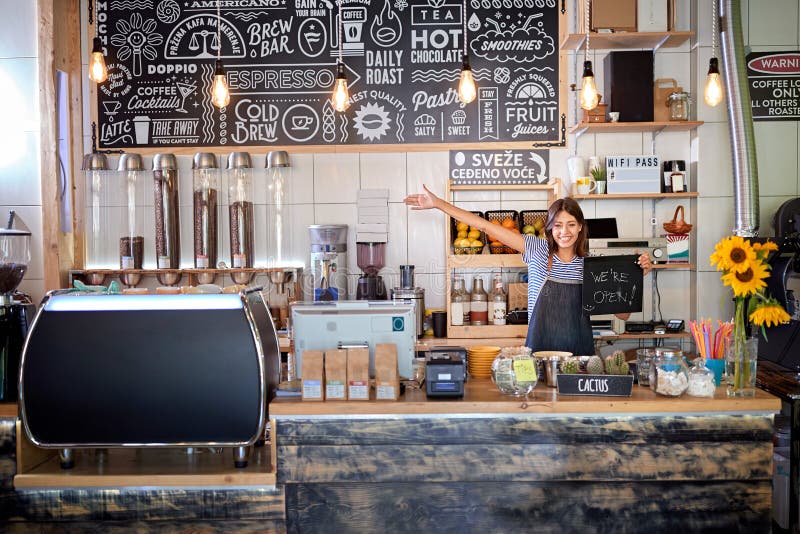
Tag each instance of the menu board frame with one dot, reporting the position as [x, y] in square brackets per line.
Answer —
[164, 111]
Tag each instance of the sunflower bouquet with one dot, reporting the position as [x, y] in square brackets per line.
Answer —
[745, 269]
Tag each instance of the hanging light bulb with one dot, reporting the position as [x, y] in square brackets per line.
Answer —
[97, 63]
[220, 96]
[588, 94]
[341, 95]
[466, 82]
[466, 85]
[713, 90]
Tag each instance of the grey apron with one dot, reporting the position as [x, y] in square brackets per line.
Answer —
[557, 321]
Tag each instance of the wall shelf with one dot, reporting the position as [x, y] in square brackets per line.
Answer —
[471, 261]
[627, 40]
[621, 196]
[627, 127]
[674, 266]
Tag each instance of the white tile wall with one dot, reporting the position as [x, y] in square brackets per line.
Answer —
[324, 186]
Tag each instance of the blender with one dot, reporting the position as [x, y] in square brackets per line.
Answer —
[329, 261]
[370, 259]
[15, 254]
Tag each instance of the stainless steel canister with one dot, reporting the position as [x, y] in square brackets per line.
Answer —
[417, 296]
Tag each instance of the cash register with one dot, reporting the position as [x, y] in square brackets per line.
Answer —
[445, 371]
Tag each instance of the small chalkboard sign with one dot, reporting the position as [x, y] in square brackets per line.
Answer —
[598, 385]
[612, 284]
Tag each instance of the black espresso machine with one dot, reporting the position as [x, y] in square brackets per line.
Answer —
[16, 309]
[782, 342]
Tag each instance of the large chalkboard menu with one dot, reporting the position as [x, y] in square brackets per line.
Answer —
[402, 58]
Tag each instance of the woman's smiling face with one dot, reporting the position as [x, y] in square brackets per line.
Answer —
[565, 230]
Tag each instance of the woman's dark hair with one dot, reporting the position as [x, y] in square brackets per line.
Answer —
[571, 206]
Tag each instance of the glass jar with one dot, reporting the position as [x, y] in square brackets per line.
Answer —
[100, 252]
[497, 302]
[205, 184]
[240, 210]
[280, 205]
[478, 303]
[131, 173]
[644, 358]
[514, 371]
[678, 106]
[669, 375]
[165, 193]
[457, 298]
[701, 380]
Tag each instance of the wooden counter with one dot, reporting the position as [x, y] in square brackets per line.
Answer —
[482, 397]
[489, 463]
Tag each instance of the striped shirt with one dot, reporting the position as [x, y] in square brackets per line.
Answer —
[535, 256]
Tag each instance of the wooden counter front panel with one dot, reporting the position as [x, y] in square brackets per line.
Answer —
[560, 474]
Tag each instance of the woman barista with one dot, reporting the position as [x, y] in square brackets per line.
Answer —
[555, 271]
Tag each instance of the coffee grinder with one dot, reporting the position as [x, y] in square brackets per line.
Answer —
[15, 254]
[329, 261]
[370, 259]
[414, 295]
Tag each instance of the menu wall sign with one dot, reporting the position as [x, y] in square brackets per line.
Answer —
[774, 80]
[502, 167]
[403, 60]
[612, 284]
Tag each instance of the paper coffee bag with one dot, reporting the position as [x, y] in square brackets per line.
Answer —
[387, 378]
[313, 374]
[358, 374]
[335, 375]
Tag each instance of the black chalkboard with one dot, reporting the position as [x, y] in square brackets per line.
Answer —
[773, 80]
[612, 284]
[403, 59]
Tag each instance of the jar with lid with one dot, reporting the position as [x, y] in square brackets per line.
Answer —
[240, 209]
[478, 303]
[514, 371]
[457, 298]
[100, 252]
[701, 380]
[497, 302]
[131, 180]
[678, 106]
[167, 216]
[205, 185]
[669, 375]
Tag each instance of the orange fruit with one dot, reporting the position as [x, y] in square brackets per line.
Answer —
[495, 221]
[508, 222]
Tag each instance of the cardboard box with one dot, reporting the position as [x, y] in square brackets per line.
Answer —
[517, 296]
[619, 15]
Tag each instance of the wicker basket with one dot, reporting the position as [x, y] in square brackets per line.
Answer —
[499, 216]
[467, 250]
[678, 226]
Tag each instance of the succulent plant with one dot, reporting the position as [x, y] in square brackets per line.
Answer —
[619, 358]
[616, 364]
[594, 366]
[570, 367]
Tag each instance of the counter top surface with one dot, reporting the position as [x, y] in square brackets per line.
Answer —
[482, 397]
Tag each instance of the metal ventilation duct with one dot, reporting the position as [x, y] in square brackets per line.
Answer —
[740, 120]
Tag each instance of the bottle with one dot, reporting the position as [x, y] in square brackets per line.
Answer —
[478, 303]
[457, 298]
[497, 302]
[676, 179]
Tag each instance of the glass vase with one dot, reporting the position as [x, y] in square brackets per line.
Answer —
[741, 359]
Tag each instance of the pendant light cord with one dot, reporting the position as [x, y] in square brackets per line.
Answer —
[339, 29]
[714, 28]
[587, 23]
[464, 16]
[219, 38]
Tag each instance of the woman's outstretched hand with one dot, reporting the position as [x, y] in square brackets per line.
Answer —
[644, 263]
[422, 201]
